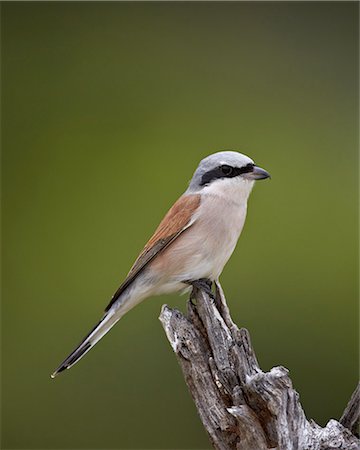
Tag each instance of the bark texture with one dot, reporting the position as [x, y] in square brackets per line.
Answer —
[242, 407]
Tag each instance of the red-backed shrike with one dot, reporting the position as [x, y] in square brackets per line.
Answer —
[194, 240]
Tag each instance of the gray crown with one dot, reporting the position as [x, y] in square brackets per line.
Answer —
[211, 162]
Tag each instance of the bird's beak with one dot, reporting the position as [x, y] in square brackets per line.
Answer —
[257, 174]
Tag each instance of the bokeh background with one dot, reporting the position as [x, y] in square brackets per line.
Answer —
[107, 109]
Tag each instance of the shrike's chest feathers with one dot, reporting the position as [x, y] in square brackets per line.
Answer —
[220, 223]
[204, 248]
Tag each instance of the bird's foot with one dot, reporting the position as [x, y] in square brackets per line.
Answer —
[204, 284]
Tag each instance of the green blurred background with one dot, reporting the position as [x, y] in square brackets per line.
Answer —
[107, 110]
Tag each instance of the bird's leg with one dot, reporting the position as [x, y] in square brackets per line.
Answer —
[204, 284]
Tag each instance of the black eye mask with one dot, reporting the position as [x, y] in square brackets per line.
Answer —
[225, 171]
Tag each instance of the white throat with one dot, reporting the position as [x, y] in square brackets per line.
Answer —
[231, 190]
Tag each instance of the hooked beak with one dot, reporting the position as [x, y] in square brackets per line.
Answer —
[256, 174]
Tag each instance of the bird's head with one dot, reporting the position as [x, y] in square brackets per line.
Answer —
[227, 172]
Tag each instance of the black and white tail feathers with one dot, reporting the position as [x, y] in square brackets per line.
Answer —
[105, 324]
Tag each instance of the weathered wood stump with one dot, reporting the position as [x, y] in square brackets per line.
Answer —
[242, 407]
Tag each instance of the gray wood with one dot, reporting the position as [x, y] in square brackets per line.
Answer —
[351, 416]
[242, 407]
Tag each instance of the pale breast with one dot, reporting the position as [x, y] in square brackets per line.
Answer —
[221, 229]
[203, 249]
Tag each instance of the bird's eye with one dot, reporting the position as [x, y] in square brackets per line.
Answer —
[226, 170]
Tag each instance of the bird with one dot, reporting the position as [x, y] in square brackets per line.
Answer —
[193, 242]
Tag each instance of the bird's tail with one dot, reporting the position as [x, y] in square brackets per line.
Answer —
[105, 324]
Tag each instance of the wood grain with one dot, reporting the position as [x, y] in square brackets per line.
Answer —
[242, 407]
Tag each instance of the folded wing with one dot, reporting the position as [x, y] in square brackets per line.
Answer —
[179, 218]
